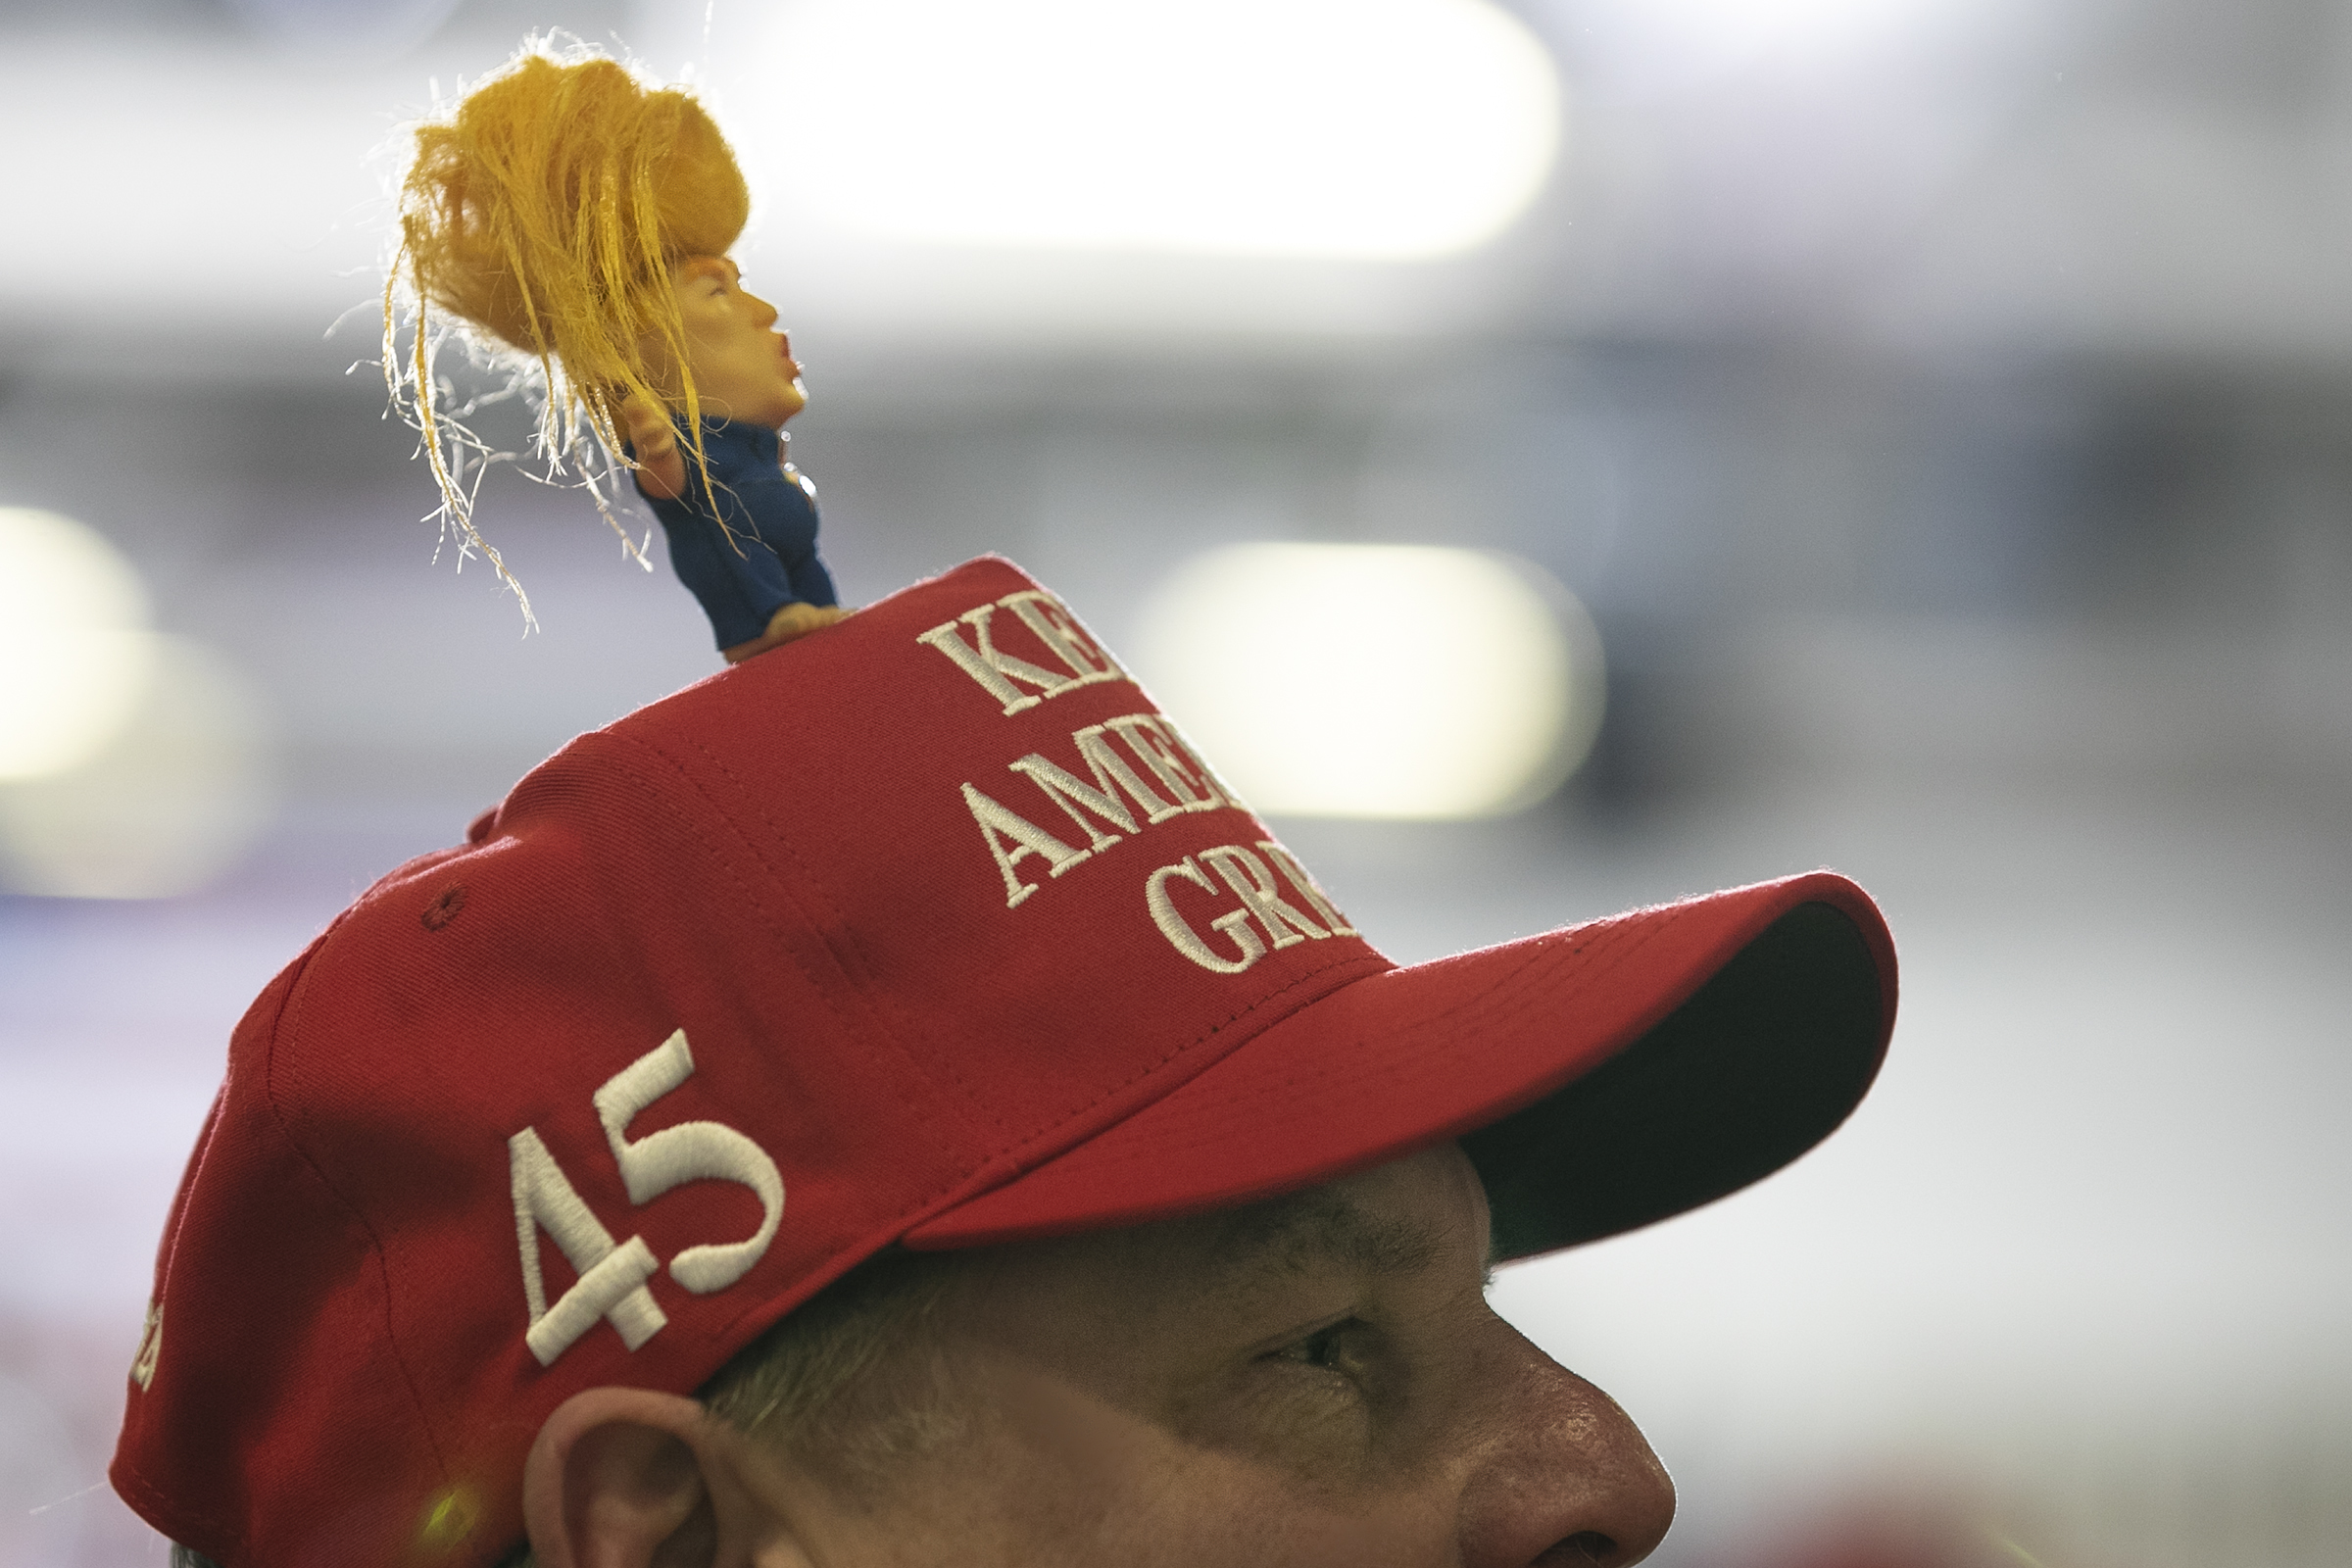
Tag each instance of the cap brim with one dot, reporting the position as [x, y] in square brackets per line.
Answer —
[1600, 1077]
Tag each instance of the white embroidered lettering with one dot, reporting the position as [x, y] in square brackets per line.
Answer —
[996, 670]
[1099, 801]
[1253, 885]
[692, 1151]
[1058, 629]
[1111, 775]
[1184, 939]
[1309, 888]
[1011, 837]
[1218, 788]
[611, 1282]
[1153, 741]
[151, 1346]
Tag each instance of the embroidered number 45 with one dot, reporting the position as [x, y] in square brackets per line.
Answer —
[611, 1277]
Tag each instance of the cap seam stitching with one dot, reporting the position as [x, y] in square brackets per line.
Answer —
[1535, 994]
[899, 1223]
[290, 1023]
[1175, 1052]
[768, 918]
[878, 999]
[134, 1479]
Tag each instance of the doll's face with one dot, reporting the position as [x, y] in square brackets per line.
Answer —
[742, 367]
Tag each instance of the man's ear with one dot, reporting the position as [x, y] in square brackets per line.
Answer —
[630, 1478]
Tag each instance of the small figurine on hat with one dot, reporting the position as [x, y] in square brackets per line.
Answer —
[574, 214]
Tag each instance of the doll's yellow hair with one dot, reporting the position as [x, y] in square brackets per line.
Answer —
[548, 213]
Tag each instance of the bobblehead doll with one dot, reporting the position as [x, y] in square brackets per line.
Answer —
[572, 214]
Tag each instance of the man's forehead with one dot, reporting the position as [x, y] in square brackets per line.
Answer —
[1414, 1217]
[1321, 1227]
[1373, 1230]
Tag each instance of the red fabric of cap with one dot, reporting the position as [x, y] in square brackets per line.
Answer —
[927, 926]
[1405, 1059]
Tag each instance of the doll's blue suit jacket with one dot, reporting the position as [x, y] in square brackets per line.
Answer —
[756, 552]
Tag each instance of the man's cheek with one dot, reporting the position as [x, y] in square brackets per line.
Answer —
[1079, 1484]
[1313, 1432]
[1069, 1475]
[1263, 1521]
[1316, 1499]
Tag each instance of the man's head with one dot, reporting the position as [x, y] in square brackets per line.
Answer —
[932, 939]
[1315, 1380]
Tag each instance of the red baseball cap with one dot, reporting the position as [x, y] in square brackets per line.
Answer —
[928, 929]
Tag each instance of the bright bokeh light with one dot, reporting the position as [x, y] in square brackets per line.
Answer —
[73, 643]
[1374, 129]
[132, 765]
[1375, 680]
[171, 799]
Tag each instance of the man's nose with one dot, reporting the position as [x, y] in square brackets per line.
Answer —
[1567, 1479]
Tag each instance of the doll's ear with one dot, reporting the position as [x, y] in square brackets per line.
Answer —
[654, 444]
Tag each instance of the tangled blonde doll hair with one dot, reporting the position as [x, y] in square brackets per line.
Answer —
[543, 218]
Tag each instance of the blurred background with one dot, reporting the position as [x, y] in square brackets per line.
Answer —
[1913, 436]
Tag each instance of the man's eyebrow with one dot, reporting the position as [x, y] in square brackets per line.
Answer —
[1292, 1234]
